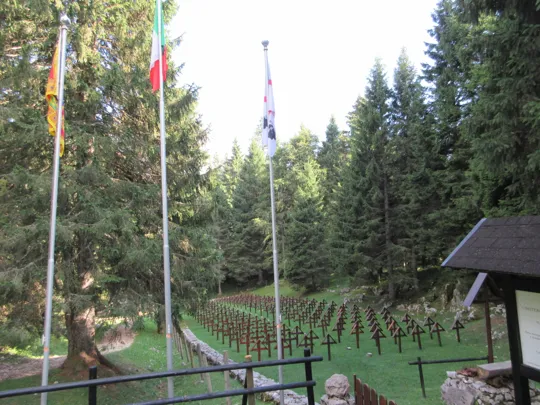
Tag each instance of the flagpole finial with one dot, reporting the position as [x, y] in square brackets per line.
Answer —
[64, 20]
[265, 43]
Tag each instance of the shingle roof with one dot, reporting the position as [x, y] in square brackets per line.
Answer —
[501, 245]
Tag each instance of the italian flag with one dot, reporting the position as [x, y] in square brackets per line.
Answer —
[158, 47]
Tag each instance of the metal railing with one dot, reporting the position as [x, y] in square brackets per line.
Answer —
[421, 362]
[93, 382]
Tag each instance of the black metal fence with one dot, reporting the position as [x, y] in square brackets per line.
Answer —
[421, 362]
[93, 382]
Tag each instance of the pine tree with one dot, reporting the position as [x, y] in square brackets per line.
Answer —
[307, 262]
[413, 159]
[108, 242]
[332, 157]
[291, 155]
[364, 237]
[503, 125]
[227, 178]
[250, 233]
[448, 75]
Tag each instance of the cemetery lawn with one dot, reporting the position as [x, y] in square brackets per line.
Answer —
[389, 373]
[146, 354]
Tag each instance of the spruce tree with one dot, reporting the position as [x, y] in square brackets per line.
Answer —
[307, 260]
[250, 233]
[413, 159]
[364, 228]
[448, 75]
[108, 241]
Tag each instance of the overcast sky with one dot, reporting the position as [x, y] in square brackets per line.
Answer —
[320, 54]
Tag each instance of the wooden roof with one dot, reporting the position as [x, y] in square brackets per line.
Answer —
[501, 245]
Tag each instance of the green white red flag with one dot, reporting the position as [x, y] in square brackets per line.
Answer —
[158, 48]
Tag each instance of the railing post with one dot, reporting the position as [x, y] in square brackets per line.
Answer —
[421, 372]
[309, 377]
[227, 377]
[92, 391]
[249, 381]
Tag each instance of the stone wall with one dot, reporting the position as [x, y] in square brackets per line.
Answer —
[463, 390]
[214, 357]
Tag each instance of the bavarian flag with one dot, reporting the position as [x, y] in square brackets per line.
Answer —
[51, 95]
[158, 47]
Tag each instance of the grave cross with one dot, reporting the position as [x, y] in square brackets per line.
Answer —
[329, 341]
[457, 325]
[429, 323]
[397, 334]
[377, 336]
[357, 329]
[437, 328]
[417, 331]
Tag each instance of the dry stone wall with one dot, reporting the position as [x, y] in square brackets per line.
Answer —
[463, 390]
[216, 358]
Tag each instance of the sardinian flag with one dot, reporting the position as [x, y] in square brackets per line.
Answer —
[269, 129]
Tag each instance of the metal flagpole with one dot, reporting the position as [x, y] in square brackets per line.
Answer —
[64, 22]
[274, 248]
[166, 260]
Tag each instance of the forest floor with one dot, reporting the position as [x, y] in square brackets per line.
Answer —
[145, 353]
[19, 366]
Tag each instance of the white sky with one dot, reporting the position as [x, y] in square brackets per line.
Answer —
[320, 53]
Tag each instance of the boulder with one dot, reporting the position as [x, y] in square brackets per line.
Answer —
[337, 386]
[326, 400]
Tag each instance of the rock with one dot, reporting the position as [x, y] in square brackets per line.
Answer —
[348, 347]
[457, 396]
[369, 354]
[472, 315]
[337, 386]
[451, 374]
[345, 290]
[333, 401]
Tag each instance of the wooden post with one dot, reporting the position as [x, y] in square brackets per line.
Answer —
[199, 356]
[488, 329]
[207, 375]
[227, 376]
[249, 380]
[421, 372]
[189, 352]
[521, 383]
[180, 345]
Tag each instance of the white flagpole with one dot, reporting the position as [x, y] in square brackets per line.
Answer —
[274, 248]
[166, 260]
[64, 22]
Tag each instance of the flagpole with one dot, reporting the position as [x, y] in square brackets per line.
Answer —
[274, 250]
[64, 22]
[166, 260]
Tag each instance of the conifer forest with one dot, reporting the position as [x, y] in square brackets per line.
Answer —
[425, 154]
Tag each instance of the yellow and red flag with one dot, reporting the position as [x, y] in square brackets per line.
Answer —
[51, 95]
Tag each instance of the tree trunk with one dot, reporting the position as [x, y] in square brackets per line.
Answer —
[391, 289]
[81, 331]
[219, 287]
[261, 279]
[414, 268]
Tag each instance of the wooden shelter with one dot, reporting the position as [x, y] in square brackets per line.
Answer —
[508, 250]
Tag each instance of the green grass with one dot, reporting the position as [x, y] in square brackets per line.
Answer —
[146, 354]
[389, 373]
[35, 349]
